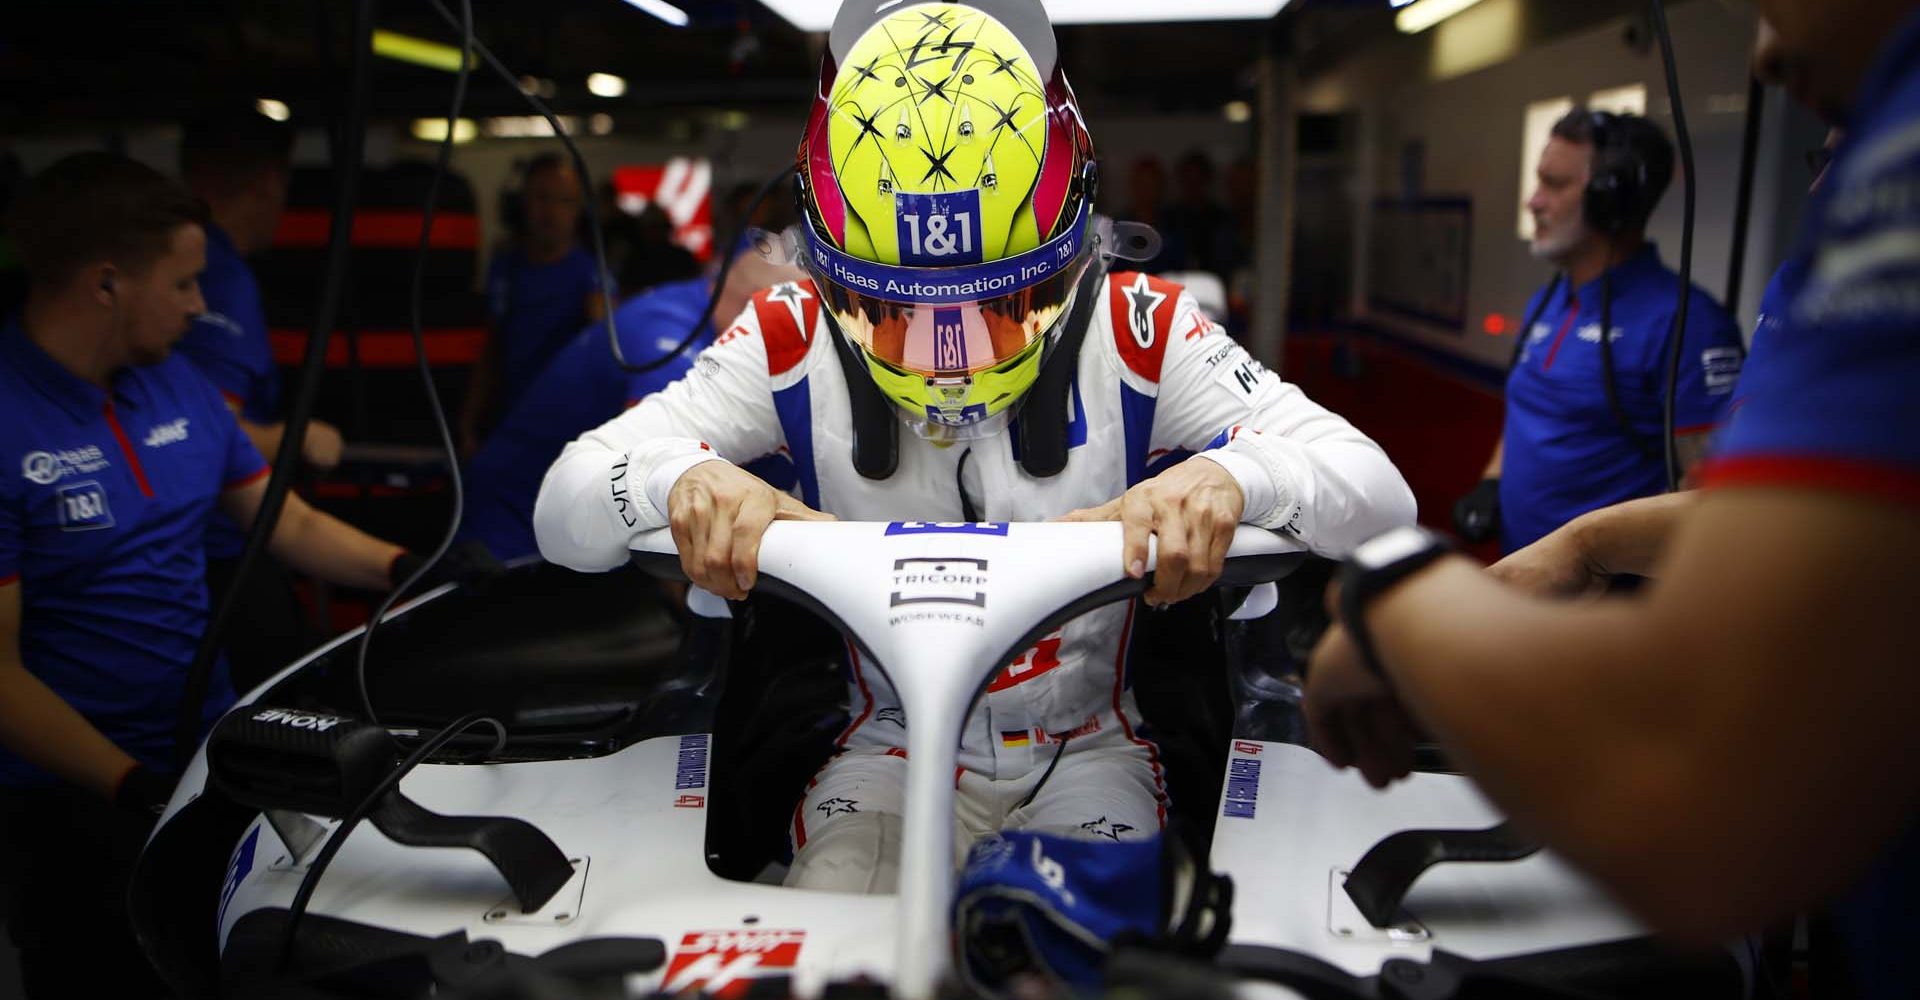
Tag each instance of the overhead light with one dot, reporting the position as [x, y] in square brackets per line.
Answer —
[668, 12]
[606, 85]
[732, 120]
[418, 51]
[527, 126]
[601, 124]
[1417, 17]
[276, 110]
[1238, 112]
[435, 130]
[817, 15]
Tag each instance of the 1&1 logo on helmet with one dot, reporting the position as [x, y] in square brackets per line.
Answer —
[939, 230]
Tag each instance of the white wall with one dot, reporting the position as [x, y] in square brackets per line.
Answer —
[1471, 126]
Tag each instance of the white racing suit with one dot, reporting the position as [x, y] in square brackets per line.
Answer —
[1157, 382]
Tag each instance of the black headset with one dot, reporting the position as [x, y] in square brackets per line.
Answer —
[1616, 195]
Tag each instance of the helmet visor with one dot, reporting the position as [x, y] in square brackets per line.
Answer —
[949, 322]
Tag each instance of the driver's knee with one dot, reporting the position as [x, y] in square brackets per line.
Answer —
[856, 852]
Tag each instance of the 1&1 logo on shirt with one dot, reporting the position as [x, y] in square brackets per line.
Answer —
[83, 507]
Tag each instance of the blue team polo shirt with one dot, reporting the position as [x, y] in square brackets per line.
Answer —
[536, 309]
[582, 388]
[104, 503]
[1832, 402]
[229, 344]
[1566, 454]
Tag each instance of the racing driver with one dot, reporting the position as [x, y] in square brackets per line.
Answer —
[960, 292]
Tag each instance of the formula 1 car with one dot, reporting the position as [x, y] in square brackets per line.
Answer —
[613, 830]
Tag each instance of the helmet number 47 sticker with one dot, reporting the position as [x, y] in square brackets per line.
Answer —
[723, 964]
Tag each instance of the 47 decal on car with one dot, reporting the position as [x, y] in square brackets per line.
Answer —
[723, 964]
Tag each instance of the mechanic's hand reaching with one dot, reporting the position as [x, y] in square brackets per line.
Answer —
[718, 512]
[322, 445]
[1353, 716]
[1193, 509]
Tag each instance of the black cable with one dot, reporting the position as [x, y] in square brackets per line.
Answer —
[311, 880]
[1743, 199]
[349, 147]
[1606, 364]
[426, 372]
[1658, 15]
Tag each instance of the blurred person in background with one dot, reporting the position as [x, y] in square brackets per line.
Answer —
[1584, 423]
[584, 387]
[540, 291]
[1674, 742]
[654, 257]
[1197, 227]
[240, 167]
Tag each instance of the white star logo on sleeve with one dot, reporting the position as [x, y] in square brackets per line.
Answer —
[792, 295]
[1144, 301]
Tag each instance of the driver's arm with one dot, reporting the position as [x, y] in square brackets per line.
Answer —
[612, 482]
[1301, 467]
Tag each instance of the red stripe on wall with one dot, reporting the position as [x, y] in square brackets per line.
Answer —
[385, 348]
[310, 228]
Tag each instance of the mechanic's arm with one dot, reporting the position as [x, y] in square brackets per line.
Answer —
[1583, 554]
[617, 480]
[320, 448]
[41, 727]
[1498, 459]
[1691, 747]
[316, 543]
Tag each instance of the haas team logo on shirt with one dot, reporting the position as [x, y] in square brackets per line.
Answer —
[171, 432]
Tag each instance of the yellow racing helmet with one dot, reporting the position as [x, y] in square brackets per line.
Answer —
[946, 190]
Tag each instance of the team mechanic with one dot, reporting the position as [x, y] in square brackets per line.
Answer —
[116, 455]
[947, 156]
[1583, 424]
[1675, 743]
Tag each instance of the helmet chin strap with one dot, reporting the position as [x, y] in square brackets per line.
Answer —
[1043, 413]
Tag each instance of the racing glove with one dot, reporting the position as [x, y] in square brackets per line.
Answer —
[1476, 516]
[143, 792]
[470, 564]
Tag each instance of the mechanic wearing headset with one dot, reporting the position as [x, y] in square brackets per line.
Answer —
[584, 387]
[538, 293]
[240, 167]
[898, 406]
[1584, 414]
[113, 457]
[1675, 742]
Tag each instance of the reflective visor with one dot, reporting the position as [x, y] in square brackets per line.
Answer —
[948, 321]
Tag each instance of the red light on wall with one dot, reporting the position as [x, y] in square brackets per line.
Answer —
[1495, 324]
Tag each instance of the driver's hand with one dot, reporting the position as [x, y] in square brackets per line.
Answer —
[718, 513]
[1192, 509]
[1353, 717]
[1555, 566]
